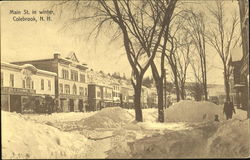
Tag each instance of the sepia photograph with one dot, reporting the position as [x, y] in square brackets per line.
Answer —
[124, 79]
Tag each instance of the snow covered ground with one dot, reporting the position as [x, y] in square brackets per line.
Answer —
[113, 133]
[23, 138]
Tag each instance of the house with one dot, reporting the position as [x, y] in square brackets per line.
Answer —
[71, 87]
[21, 83]
[239, 58]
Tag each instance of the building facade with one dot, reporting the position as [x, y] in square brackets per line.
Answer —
[100, 96]
[127, 96]
[239, 60]
[19, 84]
[116, 94]
[71, 89]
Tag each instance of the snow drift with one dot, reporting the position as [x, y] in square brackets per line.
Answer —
[192, 111]
[23, 138]
[231, 140]
[111, 117]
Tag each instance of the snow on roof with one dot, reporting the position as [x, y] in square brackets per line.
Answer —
[28, 66]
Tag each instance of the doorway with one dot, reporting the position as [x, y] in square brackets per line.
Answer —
[71, 105]
[15, 103]
[80, 105]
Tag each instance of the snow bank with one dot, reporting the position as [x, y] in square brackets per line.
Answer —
[193, 111]
[111, 117]
[231, 140]
[59, 117]
[23, 138]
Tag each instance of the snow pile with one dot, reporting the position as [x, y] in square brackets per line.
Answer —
[23, 138]
[148, 114]
[193, 111]
[231, 140]
[111, 117]
[59, 117]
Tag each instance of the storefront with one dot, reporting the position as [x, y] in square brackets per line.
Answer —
[16, 99]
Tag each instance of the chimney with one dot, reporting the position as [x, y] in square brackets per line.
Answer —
[56, 55]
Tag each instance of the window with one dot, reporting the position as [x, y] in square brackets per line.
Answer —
[67, 89]
[74, 75]
[81, 91]
[49, 85]
[65, 74]
[23, 83]
[98, 94]
[61, 87]
[74, 89]
[82, 78]
[42, 84]
[11, 80]
[86, 91]
[28, 82]
[1, 78]
[32, 84]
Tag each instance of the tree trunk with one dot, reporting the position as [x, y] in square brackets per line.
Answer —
[137, 100]
[177, 89]
[226, 83]
[182, 93]
[160, 100]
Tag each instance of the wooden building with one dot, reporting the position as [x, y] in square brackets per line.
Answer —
[21, 83]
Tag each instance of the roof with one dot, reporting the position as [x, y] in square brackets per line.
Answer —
[28, 66]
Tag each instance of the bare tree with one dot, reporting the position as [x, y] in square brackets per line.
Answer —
[196, 88]
[183, 61]
[223, 38]
[138, 23]
[167, 7]
[195, 25]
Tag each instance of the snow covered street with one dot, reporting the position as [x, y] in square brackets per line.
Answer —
[113, 133]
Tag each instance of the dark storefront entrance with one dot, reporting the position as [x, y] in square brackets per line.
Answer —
[15, 103]
[80, 105]
[71, 105]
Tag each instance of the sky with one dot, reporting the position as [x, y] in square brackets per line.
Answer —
[38, 40]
